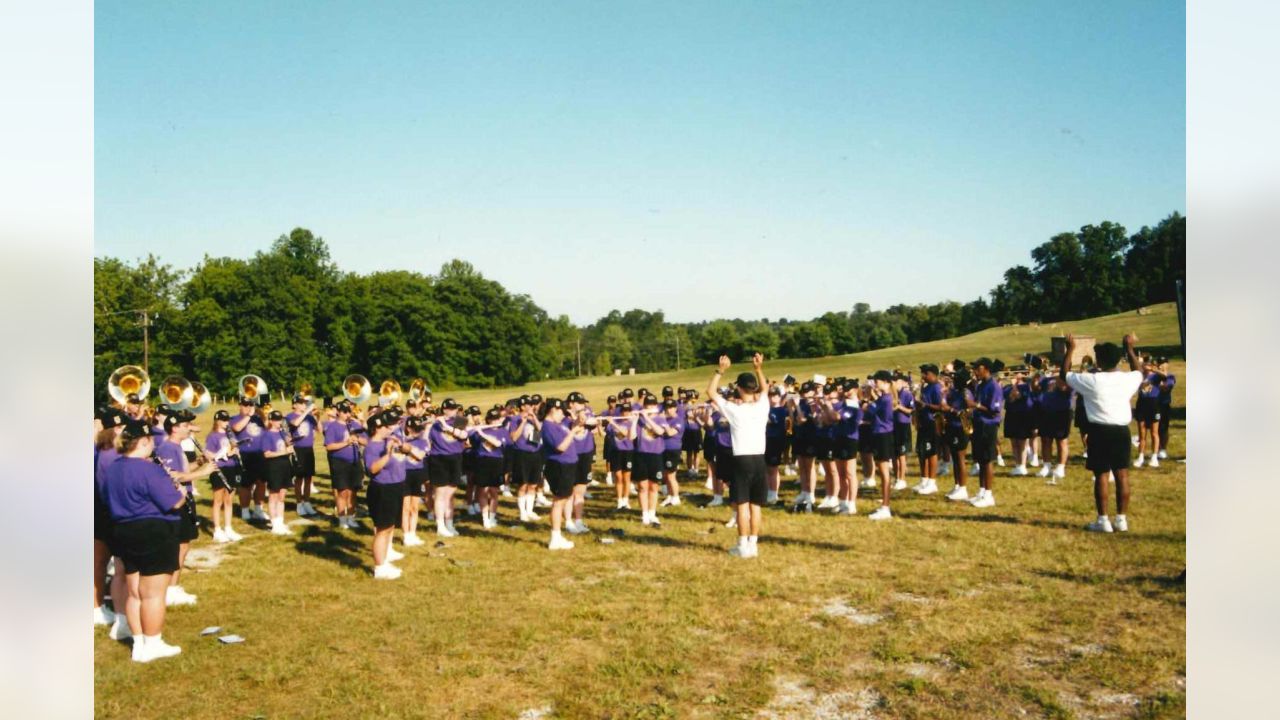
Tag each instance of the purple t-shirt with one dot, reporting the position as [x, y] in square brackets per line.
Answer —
[215, 443]
[336, 431]
[304, 435]
[442, 442]
[585, 445]
[392, 472]
[552, 435]
[882, 415]
[647, 439]
[172, 457]
[907, 400]
[621, 430]
[483, 449]
[673, 442]
[990, 396]
[1025, 402]
[1054, 401]
[850, 416]
[932, 395]
[1166, 390]
[249, 436]
[420, 444]
[529, 439]
[103, 460]
[776, 426]
[138, 489]
[1151, 383]
[721, 429]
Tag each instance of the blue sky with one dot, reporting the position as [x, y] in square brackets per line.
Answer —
[706, 159]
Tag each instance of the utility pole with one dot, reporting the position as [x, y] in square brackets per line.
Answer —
[146, 323]
[578, 344]
[677, 352]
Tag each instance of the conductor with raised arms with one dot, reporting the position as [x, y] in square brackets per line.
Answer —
[748, 414]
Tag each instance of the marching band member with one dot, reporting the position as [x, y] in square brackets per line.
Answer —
[561, 465]
[444, 464]
[1147, 414]
[624, 442]
[146, 505]
[904, 407]
[386, 465]
[826, 417]
[490, 443]
[804, 431]
[703, 418]
[415, 447]
[884, 402]
[987, 405]
[469, 452]
[848, 419]
[247, 427]
[1166, 403]
[610, 447]
[691, 441]
[346, 476]
[1106, 397]
[302, 424]
[648, 460]
[672, 421]
[585, 447]
[1018, 418]
[110, 422]
[525, 433]
[170, 453]
[747, 415]
[722, 455]
[278, 466]
[1055, 428]
[775, 442]
[866, 437]
[220, 449]
[927, 439]
[958, 399]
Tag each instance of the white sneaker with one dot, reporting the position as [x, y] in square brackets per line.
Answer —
[1018, 471]
[944, 469]
[506, 491]
[973, 471]
[386, 571]
[900, 484]
[161, 649]
[930, 487]
[120, 628]
[708, 484]
[668, 502]
[473, 509]
[393, 554]
[828, 502]
[443, 531]
[847, 508]
[175, 595]
[279, 528]
[259, 515]
[559, 542]
[920, 485]
[1142, 460]
[744, 551]
[1085, 455]
[1060, 471]
[412, 540]
[635, 490]
[1035, 461]
[1163, 455]
[573, 528]
[958, 494]
[881, 513]
[733, 522]
[1045, 469]
[1155, 462]
[1122, 523]
[985, 500]
[245, 515]
[1000, 460]
[771, 498]
[1102, 525]
[220, 536]
[103, 616]
[542, 501]
[232, 535]
[1134, 440]
[869, 482]
[716, 501]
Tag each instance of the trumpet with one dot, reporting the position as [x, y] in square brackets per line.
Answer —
[388, 393]
[128, 380]
[176, 392]
[253, 387]
[356, 389]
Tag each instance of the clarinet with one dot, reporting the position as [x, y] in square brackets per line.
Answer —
[189, 504]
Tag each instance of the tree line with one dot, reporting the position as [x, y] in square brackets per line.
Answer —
[291, 315]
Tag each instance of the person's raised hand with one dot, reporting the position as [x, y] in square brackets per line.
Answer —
[1130, 340]
[757, 360]
[724, 363]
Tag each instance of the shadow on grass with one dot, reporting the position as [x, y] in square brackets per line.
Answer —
[1172, 588]
[332, 545]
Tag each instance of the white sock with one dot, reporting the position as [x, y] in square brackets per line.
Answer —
[752, 539]
[744, 542]
[556, 535]
[1102, 519]
[151, 640]
[1119, 518]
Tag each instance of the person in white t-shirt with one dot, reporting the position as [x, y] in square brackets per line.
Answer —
[747, 420]
[1106, 395]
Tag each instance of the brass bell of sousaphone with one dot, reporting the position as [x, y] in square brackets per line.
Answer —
[254, 388]
[128, 380]
[176, 393]
[356, 389]
[417, 389]
[388, 393]
[201, 399]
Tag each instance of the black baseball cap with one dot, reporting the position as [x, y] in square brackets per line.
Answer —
[535, 398]
[667, 391]
[134, 429]
[299, 398]
[849, 384]
[132, 399]
[177, 419]
[222, 415]
[550, 403]
[669, 404]
[449, 404]
[343, 406]
[776, 390]
[109, 416]
[526, 400]
[626, 393]
[612, 399]
[246, 400]
[415, 424]
[474, 410]
[275, 415]
[828, 388]
[983, 362]
[576, 397]
[883, 375]
[650, 400]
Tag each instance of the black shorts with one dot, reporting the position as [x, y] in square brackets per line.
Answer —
[901, 438]
[773, 449]
[691, 441]
[526, 467]
[882, 446]
[415, 481]
[583, 474]
[648, 466]
[806, 446]
[254, 468]
[748, 485]
[279, 473]
[866, 440]
[724, 463]
[709, 447]
[560, 478]
[623, 460]
[306, 462]
[102, 524]
[488, 471]
[1109, 448]
[957, 441]
[226, 478]
[147, 547]
[1017, 425]
[345, 475]
[187, 530]
[844, 448]
[1055, 424]
[1148, 411]
[1082, 417]
[670, 460]
[824, 448]
[508, 453]
[386, 503]
[927, 440]
[444, 470]
[984, 443]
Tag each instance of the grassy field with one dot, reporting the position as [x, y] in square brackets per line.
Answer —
[943, 612]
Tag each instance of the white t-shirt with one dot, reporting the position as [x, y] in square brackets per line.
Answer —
[1106, 395]
[746, 423]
